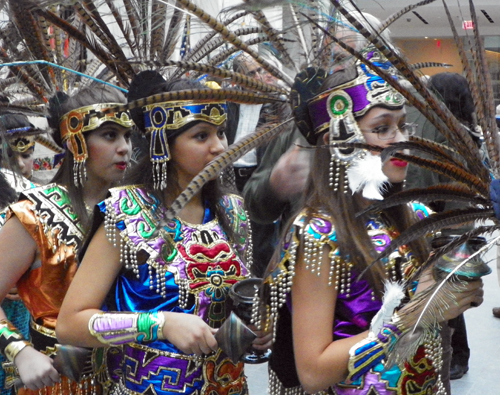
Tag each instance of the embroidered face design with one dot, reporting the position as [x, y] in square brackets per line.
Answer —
[212, 268]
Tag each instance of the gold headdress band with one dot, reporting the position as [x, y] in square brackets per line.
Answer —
[84, 119]
[19, 142]
[161, 119]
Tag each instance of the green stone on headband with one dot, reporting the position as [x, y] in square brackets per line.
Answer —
[339, 105]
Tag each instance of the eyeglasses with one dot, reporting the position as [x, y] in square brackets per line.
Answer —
[385, 133]
[254, 72]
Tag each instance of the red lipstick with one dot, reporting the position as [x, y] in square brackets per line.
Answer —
[399, 162]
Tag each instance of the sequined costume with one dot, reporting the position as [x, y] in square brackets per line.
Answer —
[47, 214]
[355, 307]
[15, 310]
[194, 277]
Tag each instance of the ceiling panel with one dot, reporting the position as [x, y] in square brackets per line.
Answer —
[431, 20]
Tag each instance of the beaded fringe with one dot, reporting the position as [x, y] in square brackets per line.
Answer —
[79, 173]
[128, 257]
[434, 351]
[86, 386]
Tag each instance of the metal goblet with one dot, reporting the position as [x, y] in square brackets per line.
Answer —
[242, 295]
[472, 270]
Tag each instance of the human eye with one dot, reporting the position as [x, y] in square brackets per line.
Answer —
[109, 134]
[221, 132]
[128, 135]
[27, 155]
[201, 136]
[381, 130]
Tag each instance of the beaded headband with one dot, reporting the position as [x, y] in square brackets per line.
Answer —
[19, 142]
[84, 119]
[162, 119]
[336, 110]
[358, 96]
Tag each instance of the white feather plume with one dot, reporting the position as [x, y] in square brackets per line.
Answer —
[366, 174]
[393, 294]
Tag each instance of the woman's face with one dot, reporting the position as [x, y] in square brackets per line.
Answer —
[382, 127]
[24, 161]
[109, 148]
[193, 149]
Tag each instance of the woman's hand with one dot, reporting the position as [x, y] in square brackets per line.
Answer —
[35, 369]
[13, 295]
[451, 300]
[264, 339]
[468, 294]
[189, 333]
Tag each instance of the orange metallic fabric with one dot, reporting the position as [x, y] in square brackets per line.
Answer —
[47, 215]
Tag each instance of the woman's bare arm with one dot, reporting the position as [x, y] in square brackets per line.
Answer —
[97, 272]
[86, 294]
[321, 362]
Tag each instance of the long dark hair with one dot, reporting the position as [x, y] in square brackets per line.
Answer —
[60, 104]
[150, 83]
[354, 242]
[8, 194]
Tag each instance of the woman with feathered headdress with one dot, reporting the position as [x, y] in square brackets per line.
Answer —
[45, 228]
[333, 333]
[167, 279]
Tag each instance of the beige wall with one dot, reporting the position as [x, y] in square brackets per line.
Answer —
[427, 50]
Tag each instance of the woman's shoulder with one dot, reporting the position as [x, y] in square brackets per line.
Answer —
[48, 207]
[42, 197]
[234, 206]
[314, 225]
[130, 200]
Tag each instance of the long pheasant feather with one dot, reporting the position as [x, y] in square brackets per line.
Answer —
[437, 221]
[394, 17]
[492, 140]
[274, 38]
[237, 78]
[438, 151]
[444, 192]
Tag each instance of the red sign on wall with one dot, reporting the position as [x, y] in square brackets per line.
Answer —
[467, 25]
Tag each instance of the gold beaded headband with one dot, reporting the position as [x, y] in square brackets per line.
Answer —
[84, 119]
[163, 119]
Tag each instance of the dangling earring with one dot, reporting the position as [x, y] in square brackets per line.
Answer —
[160, 155]
[79, 172]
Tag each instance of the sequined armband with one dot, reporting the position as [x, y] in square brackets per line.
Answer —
[373, 350]
[11, 340]
[121, 328]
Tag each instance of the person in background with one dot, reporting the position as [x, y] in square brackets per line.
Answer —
[453, 90]
[18, 137]
[243, 119]
[45, 228]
